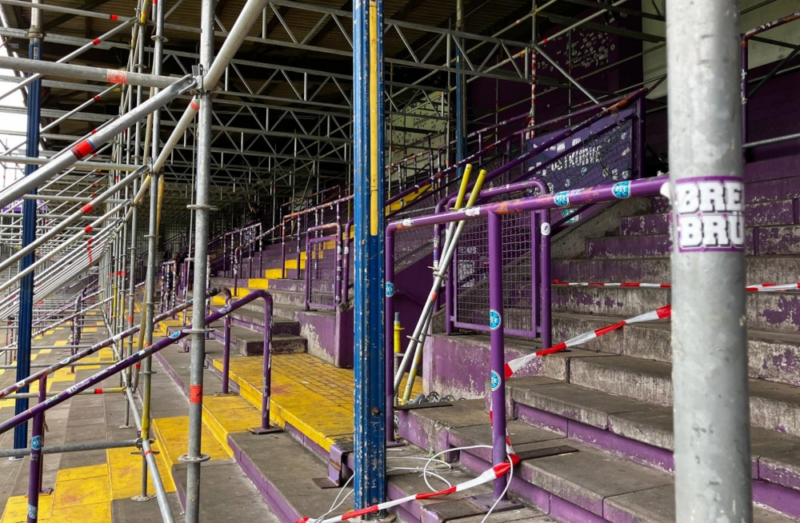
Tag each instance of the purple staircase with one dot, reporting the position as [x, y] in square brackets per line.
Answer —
[599, 417]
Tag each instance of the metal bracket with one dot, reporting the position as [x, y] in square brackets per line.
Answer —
[185, 458]
[415, 406]
[198, 331]
[546, 452]
[201, 207]
[258, 431]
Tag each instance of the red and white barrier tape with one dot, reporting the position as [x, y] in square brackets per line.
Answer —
[601, 284]
[489, 475]
[515, 365]
[761, 287]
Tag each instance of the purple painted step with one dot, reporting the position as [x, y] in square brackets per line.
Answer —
[781, 212]
[769, 311]
[773, 356]
[775, 240]
[773, 406]
[609, 478]
[760, 269]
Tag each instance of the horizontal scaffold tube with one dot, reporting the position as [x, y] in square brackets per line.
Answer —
[74, 218]
[90, 145]
[82, 72]
[127, 362]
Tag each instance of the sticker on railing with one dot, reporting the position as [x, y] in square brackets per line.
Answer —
[389, 289]
[545, 229]
[561, 198]
[494, 319]
[709, 214]
[621, 190]
[495, 381]
[36, 443]
[473, 211]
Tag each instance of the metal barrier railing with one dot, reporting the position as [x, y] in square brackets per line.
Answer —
[496, 317]
[323, 273]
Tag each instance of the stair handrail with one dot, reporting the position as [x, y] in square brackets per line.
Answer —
[142, 354]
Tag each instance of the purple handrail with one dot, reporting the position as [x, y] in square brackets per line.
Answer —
[91, 350]
[494, 212]
[135, 358]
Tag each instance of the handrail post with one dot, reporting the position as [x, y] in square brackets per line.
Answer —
[37, 459]
[497, 348]
[545, 278]
[266, 390]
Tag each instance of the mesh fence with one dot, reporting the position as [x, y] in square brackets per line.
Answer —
[321, 267]
[600, 157]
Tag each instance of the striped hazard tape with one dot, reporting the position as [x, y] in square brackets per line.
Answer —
[761, 287]
[490, 475]
[513, 367]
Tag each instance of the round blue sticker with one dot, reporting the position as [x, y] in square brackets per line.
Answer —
[495, 381]
[621, 189]
[389, 289]
[561, 198]
[36, 443]
[494, 319]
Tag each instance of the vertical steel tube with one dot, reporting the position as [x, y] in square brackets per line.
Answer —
[545, 285]
[368, 114]
[461, 92]
[709, 321]
[497, 356]
[36, 461]
[194, 457]
[28, 232]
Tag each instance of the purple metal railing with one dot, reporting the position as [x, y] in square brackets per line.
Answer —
[597, 154]
[493, 214]
[323, 273]
[135, 358]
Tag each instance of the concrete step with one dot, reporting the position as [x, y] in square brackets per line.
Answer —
[589, 484]
[642, 432]
[760, 269]
[781, 212]
[773, 356]
[253, 320]
[283, 471]
[776, 311]
[774, 406]
[459, 365]
[251, 343]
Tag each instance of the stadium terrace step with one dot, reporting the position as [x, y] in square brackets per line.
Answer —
[595, 481]
[776, 311]
[774, 406]
[772, 240]
[760, 269]
[781, 212]
[283, 471]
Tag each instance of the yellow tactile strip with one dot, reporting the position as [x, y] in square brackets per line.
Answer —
[315, 397]
[84, 494]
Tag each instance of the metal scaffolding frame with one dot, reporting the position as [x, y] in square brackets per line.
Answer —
[188, 129]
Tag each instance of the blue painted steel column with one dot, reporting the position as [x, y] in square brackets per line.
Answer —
[28, 236]
[369, 361]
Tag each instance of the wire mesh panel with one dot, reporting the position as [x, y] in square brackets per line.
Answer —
[471, 270]
[321, 267]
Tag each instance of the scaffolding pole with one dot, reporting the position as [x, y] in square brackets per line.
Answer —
[711, 405]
